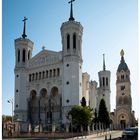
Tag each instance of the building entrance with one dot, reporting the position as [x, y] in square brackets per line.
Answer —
[122, 124]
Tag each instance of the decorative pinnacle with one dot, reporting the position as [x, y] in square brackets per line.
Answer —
[24, 29]
[122, 53]
[71, 10]
[104, 62]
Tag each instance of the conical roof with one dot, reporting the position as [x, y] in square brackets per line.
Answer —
[122, 65]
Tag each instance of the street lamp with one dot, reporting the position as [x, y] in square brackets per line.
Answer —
[11, 101]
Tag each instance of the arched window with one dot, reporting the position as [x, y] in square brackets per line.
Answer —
[29, 77]
[43, 76]
[36, 75]
[54, 72]
[28, 54]
[103, 81]
[46, 73]
[39, 75]
[106, 81]
[68, 41]
[122, 77]
[18, 55]
[58, 71]
[50, 73]
[33, 76]
[100, 82]
[23, 55]
[74, 41]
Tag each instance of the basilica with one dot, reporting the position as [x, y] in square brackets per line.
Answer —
[48, 84]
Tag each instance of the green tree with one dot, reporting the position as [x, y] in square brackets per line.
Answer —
[103, 115]
[81, 116]
[83, 102]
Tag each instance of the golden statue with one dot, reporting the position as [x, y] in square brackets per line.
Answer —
[122, 53]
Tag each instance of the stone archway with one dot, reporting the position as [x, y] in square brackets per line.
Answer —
[33, 107]
[43, 105]
[122, 124]
[55, 104]
[123, 120]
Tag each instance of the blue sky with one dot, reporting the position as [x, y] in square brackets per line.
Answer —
[109, 26]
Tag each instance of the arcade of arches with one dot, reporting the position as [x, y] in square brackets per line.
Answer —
[44, 108]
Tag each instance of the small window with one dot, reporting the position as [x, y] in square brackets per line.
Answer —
[68, 42]
[103, 81]
[43, 76]
[17, 75]
[122, 77]
[36, 76]
[74, 41]
[46, 73]
[58, 71]
[67, 65]
[106, 81]
[67, 101]
[29, 77]
[16, 105]
[122, 87]
[39, 75]
[122, 93]
[28, 54]
[50, 73]
[33, 77]
[23, 55]
[18, 55]
[17, 90]
[67, 82]
[54, 72]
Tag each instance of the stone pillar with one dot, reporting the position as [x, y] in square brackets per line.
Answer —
[53, 127]
[29, 128]
[67, 127]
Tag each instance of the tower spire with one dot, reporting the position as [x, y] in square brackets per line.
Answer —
[71, 10]
[104, 62]
[24, 28]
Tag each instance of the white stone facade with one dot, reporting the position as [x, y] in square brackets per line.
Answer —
[48, 84]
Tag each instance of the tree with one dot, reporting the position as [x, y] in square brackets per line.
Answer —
[95, 119]
[81, 116]
[103, 115]
[6, 118]
[83, 102]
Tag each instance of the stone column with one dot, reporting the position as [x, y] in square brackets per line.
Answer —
[53, 127]
[67, 127]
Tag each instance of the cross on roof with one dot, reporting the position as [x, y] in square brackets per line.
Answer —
[71, 11]
[71, 1]
[24, 28]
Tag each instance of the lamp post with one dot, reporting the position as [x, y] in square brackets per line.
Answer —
[11, 101]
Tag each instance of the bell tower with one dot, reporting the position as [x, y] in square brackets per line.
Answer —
[123, 85]
[71, 34]
[23, 53]
[124, 113]
[104, 85]
[23, 49]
